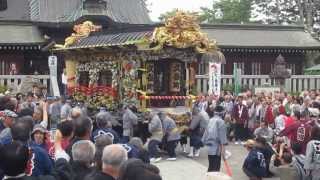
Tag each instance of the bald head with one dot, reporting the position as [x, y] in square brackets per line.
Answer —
[114, 155]
[76, 112]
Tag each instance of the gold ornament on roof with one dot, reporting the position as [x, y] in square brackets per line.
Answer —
[81, 31]
[183, 31]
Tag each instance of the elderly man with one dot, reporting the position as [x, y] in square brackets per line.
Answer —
[8, 119]
[113, 156]
[171, 135]
[215, 138]
[82, 131]
[196, 132]
[156, 130]
[83, 156]
[129, 121]
[104, 126]
[264, 131]
[101, 142]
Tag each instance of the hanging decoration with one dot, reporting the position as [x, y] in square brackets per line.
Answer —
[150, 77]
[129, 81]
[95, 67]
[175, 77]
[94, 94]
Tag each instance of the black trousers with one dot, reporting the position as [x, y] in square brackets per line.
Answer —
[214, 163]
[171, 148]
[240, 132]
[153, 148]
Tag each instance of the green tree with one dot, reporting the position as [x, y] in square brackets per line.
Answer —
[165, 15]
[276, 11]
[227, 11]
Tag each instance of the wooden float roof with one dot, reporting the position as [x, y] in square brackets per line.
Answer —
[229, 37]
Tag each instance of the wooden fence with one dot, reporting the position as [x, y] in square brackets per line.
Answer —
[15, 80]
[296, 83]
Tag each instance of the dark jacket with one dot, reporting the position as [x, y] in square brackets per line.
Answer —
[99, 176]
[80, 170]
[144, 156]
[69, 148]
[62, 171]
[39, 163]
[255, 165]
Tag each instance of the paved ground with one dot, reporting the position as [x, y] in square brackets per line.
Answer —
[194, 169]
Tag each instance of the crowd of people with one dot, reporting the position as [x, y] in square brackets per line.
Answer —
[56, 138]
[51, 138]
[281, 132]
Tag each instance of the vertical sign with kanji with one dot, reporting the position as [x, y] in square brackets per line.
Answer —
[53, 64]
[214, 79]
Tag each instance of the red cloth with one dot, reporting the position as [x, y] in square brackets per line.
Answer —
[269, 118]
[282, 109]
[289, 121]
[299, 132]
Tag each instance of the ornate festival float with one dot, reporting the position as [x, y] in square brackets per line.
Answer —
[149, 66]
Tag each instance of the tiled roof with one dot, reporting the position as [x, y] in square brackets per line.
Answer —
[261, 36]
[20, 34]
[106, 40]
[122, 11]
[227, 36]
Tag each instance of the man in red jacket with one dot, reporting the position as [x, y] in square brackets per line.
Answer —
[300, 131]
[240, 116]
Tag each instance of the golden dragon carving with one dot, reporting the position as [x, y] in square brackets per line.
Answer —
[80, 31]
[183, 31]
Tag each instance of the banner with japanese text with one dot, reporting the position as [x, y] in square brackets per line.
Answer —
[214, 79]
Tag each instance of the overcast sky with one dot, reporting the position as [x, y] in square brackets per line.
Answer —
[158, 7]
